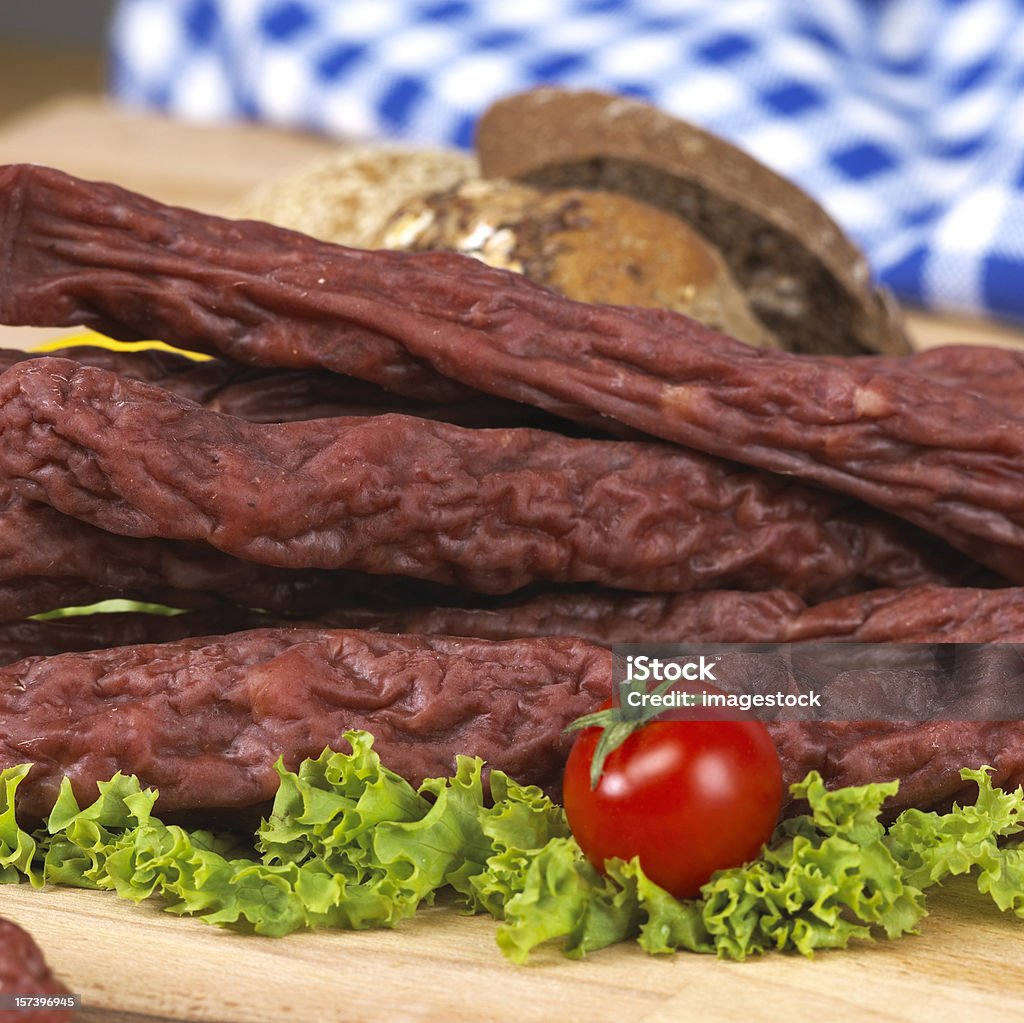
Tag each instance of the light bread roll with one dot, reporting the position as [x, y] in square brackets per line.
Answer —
[346, 196]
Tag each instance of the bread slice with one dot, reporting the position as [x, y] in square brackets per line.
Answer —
[590, 246]
[805, 279]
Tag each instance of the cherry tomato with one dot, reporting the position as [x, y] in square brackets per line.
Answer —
[687, 797]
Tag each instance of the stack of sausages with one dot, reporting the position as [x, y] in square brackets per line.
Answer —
[419, 495]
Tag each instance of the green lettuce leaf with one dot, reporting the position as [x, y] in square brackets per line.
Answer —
[17, 848]
[350, 844]
[116, 604]
[563, 897]
[828, 877]
[931, 847]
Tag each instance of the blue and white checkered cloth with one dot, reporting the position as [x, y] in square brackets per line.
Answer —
[905, 118]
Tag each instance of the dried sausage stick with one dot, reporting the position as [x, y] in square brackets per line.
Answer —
[263, 395]
[920, 614]
[204, 720]
[923, 614]
[96, 631]
[217, 312]
[49, 560]
[489, 511]
[714, 616]
[73, 252]
[995, 374]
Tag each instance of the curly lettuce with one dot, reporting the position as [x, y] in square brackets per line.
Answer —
[350, 844]
[826, 878]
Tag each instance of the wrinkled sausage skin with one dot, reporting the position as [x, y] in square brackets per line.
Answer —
[73, 252]
[486, 510]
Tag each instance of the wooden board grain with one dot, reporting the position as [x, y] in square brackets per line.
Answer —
[442, 966]
[184, 164]
[135, 964]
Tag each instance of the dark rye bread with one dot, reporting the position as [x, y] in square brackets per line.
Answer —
[803, 277]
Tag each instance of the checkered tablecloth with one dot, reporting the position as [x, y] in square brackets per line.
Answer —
[904, 117]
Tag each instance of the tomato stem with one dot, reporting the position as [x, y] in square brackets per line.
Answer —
[615, 728]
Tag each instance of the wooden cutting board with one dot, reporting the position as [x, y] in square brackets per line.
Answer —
[134, 963]
[441, 967]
